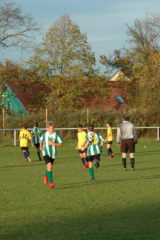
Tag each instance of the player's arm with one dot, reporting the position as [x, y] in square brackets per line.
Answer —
[58, 142]
[118, 136]
[30, 138]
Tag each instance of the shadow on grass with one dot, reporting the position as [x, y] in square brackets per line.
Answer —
[134, 223]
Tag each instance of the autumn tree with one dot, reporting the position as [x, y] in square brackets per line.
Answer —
[64, 51]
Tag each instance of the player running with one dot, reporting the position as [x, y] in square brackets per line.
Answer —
[49, 141]
[109, 140]
[24, 138]
[81, 135]
[92, 149]
[98, 156]
[36, 133]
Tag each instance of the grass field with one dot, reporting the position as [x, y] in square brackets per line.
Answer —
[119, 206]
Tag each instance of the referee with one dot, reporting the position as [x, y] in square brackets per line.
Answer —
[127, 137]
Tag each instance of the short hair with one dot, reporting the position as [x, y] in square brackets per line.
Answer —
[110, 124]
[36, 124]
[91, 127]
[50, 124]
[126, 118]
[25, 125]
[80, 126]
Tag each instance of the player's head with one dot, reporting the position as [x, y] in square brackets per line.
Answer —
[91, 128]
[36, 124]
[108, 124]
[126, 118]
[25, 125]
[50, 127]
[80, 128]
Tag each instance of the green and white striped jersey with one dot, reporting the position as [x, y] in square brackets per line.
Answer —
[36, 133]
[93, 147]
[100, 140]
[49, 150]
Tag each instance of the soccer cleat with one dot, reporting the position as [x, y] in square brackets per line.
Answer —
[125, 169]
[112, 155]
[51, 184]
[29, 160]
[45, 180]
[93, 180]
[133, 169]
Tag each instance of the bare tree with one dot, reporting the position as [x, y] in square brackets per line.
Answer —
[16, 29]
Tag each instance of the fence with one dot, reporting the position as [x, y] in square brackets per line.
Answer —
[14, 132]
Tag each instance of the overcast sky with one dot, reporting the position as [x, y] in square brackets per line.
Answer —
[103, 20]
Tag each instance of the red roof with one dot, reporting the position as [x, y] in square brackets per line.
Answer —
[29, 93]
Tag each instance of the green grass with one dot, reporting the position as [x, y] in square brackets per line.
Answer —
[119, 206]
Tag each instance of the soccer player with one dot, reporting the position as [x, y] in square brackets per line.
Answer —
[126, 135]
[36, 133]
[98, 156]
[81, 135]
[49, 141]
[24, 138]
[92, 149]
[109, 140]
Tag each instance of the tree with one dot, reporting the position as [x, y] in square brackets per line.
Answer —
[64, 50]
[16, 29]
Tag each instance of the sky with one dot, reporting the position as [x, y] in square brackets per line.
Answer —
[104, 21]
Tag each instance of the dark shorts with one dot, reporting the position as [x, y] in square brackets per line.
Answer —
[94, 157]
[24, 148]
[48, 159]
[109, 142]
[97, 157]
[37, 145]
[127, 145]
[82, 151]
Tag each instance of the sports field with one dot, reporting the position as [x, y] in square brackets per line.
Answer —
[119, 206]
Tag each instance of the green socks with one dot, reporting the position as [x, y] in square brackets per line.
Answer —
[91, 173]
[50, 177]
[39, 155]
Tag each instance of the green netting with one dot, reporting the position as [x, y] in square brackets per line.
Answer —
[12, 104]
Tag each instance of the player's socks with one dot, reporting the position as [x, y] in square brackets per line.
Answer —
[25, 155]
[132, 160]
[124, 162]
[46, 177]
[50, 177]
[83, 161]
[39, 155]
[91, 173]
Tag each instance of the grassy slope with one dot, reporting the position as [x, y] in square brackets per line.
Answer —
[119, 206]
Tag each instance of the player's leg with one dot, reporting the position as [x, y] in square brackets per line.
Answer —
[109, 150]
[38, 151]
[48, 177]
[90, 169]
[85, 158]
[97, 160]
[131, 153]
[25, 154]
[28, 153]
[82, 157]
[124, 150]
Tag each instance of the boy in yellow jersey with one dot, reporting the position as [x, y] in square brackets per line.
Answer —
[81, 135]
[24, 138]
[109, 140]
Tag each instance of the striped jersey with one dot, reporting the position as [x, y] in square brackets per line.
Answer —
[49, 150]
[100, 140]
[36, 133]
[93, 147]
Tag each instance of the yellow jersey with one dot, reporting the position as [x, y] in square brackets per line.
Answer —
[109, 135]
[81, 139]
[24, 137]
